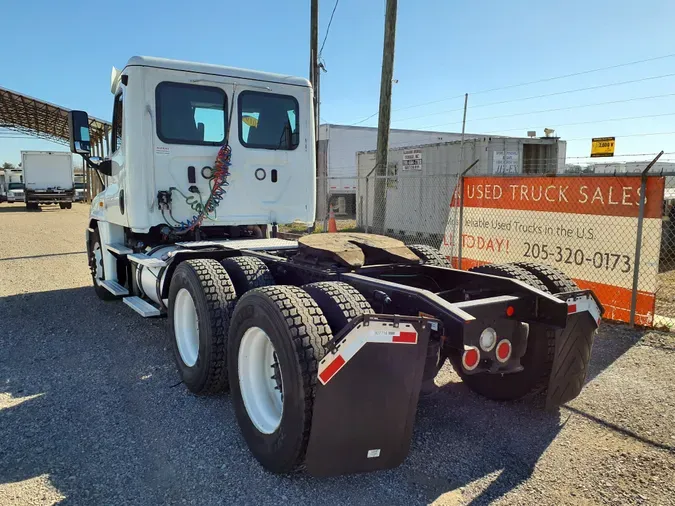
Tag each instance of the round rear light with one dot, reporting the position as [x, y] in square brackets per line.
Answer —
[470, 358]
[503, 350]
[488, 339]
[510, 311]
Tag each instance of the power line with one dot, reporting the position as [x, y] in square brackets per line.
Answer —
[511, 86]
[646, 134]
[565, 92]
[586, 122]
[330, 21]
[594, 104]
[547, 79]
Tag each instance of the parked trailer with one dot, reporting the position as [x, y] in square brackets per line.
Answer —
[318, 340]
[421, 180]
[48, 178]
[337, 156]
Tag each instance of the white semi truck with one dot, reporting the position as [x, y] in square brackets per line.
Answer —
[48, 178]
[323, 343]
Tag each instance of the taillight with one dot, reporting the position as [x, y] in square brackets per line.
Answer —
[470, 358]
[503, 351]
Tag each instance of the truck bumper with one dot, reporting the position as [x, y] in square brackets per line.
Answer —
[49, 197]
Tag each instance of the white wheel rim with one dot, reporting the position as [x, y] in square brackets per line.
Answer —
[263, 398]
[98, 259]
[186, 327]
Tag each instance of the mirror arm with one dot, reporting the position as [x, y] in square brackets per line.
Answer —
[94, 166]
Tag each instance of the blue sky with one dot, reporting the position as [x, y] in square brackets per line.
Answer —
[62, 52]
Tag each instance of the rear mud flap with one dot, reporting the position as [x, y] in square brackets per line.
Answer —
[366, 396]
[572, 356]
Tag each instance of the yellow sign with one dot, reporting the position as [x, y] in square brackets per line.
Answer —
[602, 146]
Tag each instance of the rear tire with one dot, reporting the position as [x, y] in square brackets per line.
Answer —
[247, 273]
[62, 206]
[555, 280]
[340, 302]
[512, 271]
[537, 360]
[293, 323]
[201, 301]
[429, 255]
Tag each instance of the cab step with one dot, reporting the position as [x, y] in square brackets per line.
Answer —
[146, 261]
[119, 249]
[114, 287]
[143, 308]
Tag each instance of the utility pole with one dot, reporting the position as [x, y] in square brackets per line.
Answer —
[314, 78]
[384, 119]
[314, 60]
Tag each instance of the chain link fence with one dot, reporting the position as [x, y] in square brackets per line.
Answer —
[584, 224]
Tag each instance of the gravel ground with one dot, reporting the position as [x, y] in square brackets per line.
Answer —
[92, 412]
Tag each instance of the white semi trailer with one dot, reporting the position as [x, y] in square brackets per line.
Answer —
[48, 178]
[206, 161]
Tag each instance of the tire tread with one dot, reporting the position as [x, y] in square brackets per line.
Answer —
[220, 298]
[311, 333]
[429, 255]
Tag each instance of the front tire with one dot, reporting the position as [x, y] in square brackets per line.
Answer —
[95, 256]
[201, 300]
[276, 342]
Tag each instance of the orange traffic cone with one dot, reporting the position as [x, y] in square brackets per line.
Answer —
[332, 224]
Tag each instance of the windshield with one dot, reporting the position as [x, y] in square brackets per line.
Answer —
[79, 186]
[15, 186]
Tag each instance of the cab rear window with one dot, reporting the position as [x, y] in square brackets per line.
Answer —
[190, 114]
[268, 120]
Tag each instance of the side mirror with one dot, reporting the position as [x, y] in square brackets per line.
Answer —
[105, 167]
[78, 126]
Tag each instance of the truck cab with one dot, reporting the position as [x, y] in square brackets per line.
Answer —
[170, 119]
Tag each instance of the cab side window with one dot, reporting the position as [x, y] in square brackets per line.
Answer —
[117, 122]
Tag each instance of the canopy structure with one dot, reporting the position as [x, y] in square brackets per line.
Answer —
[28, 115]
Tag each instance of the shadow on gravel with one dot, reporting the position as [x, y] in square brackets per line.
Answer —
[86, 398]
[611, 342]
[621, 430]
[43, 256]
[22, 209]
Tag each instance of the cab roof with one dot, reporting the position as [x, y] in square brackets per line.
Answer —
[218, 70]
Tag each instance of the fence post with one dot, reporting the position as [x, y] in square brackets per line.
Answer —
[461, 212]
[638, 240]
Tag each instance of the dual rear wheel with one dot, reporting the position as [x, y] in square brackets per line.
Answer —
[234, 328]
[538, 359]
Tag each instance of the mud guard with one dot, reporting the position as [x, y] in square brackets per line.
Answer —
[573, 346]
[366, 396]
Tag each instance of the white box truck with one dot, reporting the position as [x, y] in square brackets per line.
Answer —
[48, 178]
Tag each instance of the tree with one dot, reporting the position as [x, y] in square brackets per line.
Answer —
[8, 166]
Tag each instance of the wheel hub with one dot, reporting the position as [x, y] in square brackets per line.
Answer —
[261, 392]
[186, 327]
